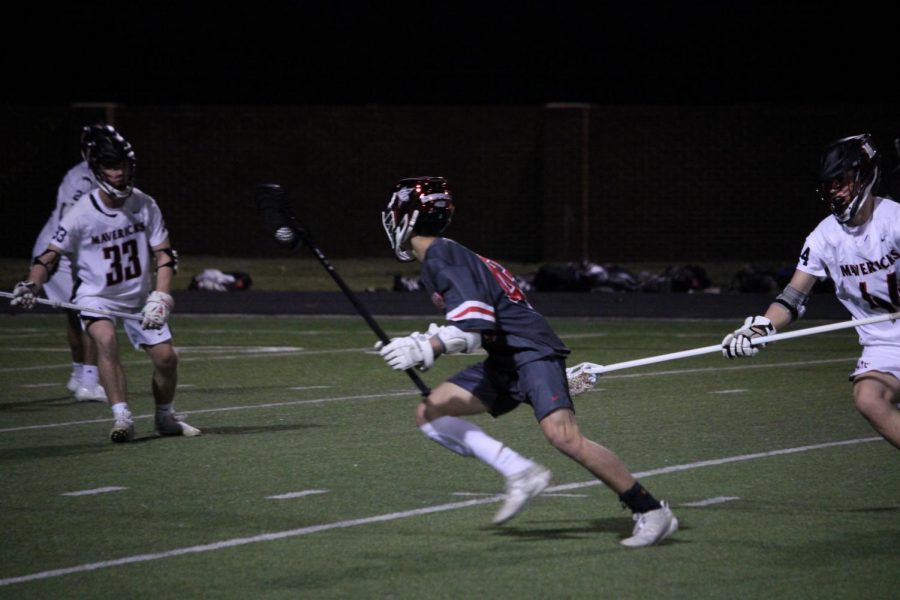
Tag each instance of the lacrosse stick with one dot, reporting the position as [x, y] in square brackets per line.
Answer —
[281, 223]
[583, 375]
[87, 309]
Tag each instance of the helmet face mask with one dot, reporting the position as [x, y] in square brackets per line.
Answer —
[105, 149]
[418, 206]
[848, 173]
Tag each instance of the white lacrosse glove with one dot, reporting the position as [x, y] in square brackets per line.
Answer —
[738, 343]
[580, 379]
[24, 294]
[156, 312]
[407, 352]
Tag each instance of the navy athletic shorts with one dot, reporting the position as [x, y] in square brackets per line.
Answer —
[541, 383]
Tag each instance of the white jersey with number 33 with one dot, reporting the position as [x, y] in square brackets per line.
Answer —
[110, 248]
[863, 261]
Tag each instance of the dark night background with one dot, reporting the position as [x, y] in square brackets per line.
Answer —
[344, 52]
[685, 131]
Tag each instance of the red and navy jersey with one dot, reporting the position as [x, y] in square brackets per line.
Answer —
[478, 294]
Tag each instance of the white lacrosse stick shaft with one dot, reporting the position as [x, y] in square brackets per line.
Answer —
[70, 306]
[597, 369]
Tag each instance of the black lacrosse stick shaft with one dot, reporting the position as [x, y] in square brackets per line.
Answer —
[287, 230]
[364, 313]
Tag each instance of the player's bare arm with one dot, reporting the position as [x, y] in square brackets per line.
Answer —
[166, 260]
[44, 266]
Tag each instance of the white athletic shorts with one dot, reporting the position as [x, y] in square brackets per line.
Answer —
[138, 336]
[878, 358]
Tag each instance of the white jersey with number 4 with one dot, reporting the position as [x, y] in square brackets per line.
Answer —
[863, 261]
[110, 248]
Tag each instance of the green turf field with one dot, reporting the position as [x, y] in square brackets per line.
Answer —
[782, 489]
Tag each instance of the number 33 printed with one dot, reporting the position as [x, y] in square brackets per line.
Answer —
[119, 272]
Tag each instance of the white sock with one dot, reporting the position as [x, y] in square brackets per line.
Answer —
[90, 375]
[466, 439]
[120, 411]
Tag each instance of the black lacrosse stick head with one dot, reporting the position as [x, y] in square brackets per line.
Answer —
[278, 218]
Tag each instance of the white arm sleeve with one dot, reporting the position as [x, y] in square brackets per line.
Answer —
[455, 339]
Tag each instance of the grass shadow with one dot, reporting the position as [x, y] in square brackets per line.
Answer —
[250, 429]
[39, 403]
[39, 452]
[618, 526]
[542, 532]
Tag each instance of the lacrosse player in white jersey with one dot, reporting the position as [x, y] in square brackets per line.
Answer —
[78, 181]
[110, 236]
[858, 246]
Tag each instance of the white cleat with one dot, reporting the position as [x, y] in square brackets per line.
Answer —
[652, 527]
[122, 431]
[90, 393]
[73, 384]
[520, 490]
[172, 424]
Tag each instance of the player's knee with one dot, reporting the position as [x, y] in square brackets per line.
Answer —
[165, 358]
[871, 406]
[107, 347]
[103, 333]
[565, 439]
[421, 413]
[430, 409]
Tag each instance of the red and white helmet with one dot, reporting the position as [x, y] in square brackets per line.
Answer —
[418, 205]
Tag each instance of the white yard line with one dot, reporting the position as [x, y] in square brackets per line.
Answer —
[710, 501]
[394, 516]
[101, 490]
[290, 495]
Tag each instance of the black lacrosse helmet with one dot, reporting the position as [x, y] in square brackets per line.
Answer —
[848, 173]
[418, 205]
[104, 147]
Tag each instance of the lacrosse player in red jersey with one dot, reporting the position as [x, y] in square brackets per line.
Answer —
[858, 246]
[110, 235]
[485, 309]
[84, 381]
